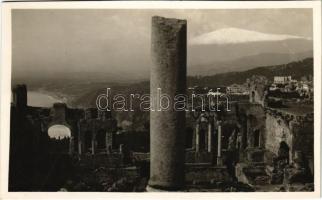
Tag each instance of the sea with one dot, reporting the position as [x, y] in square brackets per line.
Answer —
[39, 99]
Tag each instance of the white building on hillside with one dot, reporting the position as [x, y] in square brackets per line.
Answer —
[282, 79]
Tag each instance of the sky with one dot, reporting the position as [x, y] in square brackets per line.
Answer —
[58, 42]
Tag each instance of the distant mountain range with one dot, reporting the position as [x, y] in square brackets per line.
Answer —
[219, 51]
[232, 49]
[248, 62]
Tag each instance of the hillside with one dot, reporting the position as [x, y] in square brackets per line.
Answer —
[247, 63]
[294, 69]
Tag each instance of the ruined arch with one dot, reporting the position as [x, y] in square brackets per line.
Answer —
[60, 138]
[284, 151]
[88, 141]
[257, 138]
[189, 137]
[101, 139]
[228, 128]
[59, 131]
[202, 139]
[252, 97]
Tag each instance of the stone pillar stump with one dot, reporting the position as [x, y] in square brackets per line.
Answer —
[168, 73]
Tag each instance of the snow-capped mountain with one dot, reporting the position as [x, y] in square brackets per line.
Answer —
[233, 49]
[236, 35]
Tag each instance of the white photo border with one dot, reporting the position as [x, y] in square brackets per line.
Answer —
[5, 88]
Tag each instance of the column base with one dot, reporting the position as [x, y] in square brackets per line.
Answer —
[219, 161]
[153, 189]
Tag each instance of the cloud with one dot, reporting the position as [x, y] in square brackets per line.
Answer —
[237, 35]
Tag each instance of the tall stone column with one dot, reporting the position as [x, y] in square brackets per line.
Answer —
[209, 137]
[109, 143]
[71, 145]
[294, 127]
[19, 96]
[197, 138]
[93, 144]
[80, 145]
[93, 138]
[106, 142]
[219, 159]
[249, 132]
[167, 129]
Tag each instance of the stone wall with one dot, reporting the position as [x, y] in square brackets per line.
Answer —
[277, 130]
[297, 133]
[257, 87]
[201, 174]
[255, 124]
[199, 157]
